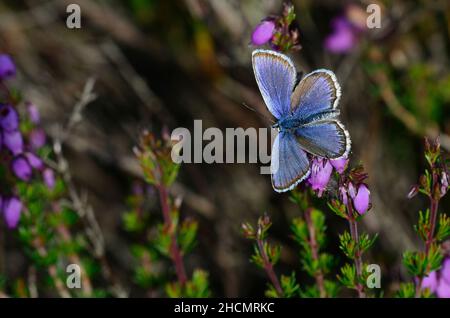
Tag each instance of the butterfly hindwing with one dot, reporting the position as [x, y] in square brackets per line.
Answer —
[276, 76]
[290, 164]
[325, 138]
[316, 96]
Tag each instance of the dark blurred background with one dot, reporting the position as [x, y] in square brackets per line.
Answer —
[167, 63]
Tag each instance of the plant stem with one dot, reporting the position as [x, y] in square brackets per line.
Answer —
[175, 252]
[358, 259]
[318, 275]
[434, 204]
[268, 267]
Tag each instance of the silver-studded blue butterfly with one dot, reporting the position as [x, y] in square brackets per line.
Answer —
[306, 116]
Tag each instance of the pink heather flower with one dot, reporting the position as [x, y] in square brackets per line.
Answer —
[362, 199]
[339, 164]
[344, 197]
[21, 168]
[444, 183]
[34, 161]
[33, 113]
[37, 138]
[413, 192]
[9, 119]
[321, 170]
[7, 67]
[351, 190]
[13, 141]
[438, 282]
[49, 178]
[430, 282]
[263, 32]
[343, 38]
[12, 208]
[443, 289]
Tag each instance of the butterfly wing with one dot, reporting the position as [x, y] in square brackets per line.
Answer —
[315, 100]
[316, 96]
[324, 138]
[289, 165]
[275, 75]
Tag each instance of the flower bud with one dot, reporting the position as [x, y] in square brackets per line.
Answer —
[263, 32]
[339, 164]
[12, 208]
[362, 199]
[7, 67]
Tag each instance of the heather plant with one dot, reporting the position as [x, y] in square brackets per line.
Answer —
[35, 200]
[173, 238]
[427, 266]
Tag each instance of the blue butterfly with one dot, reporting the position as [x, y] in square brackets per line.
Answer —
[306, 116]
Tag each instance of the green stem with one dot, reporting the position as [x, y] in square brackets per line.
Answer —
[268, 267]
[175, 252]
[358, 258]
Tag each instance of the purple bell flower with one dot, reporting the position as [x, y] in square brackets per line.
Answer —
[438, 282]
[49, 178]
[37, 138]
[12, 208]
[34, 161]
[7, 67]
[263, 32]
[13, 141]
[21, 168]
[343, 38]
[9, 119]
[444, 183]
[430, 282]
[339, 164]
[321, 170]
[33, 113]
[362, 199]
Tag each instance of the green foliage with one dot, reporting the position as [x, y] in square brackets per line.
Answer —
[443, 230]
[187, 235]
[348, 276]
[289, 286]
[338, 208]
[197, 287]
[406, 290]
[166, 241]
[420, 264]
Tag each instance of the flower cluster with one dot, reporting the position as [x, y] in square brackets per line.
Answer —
[438, 282]
[351, 186]
[347, 30]
[433, 228]
[18, 150]
[279, 32]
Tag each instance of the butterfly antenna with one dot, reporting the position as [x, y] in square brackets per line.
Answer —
[258, 113]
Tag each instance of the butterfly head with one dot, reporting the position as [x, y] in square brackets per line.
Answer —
[276, 126]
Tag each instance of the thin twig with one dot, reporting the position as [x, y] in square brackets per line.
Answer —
[358, 258]
[318, 275]
[79, 202]
[268, 267]
[175, 252]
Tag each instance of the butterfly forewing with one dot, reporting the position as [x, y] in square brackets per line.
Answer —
[316, 96]
[275, 75]
[290, 164]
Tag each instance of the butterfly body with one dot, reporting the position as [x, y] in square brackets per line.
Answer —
[306, 113]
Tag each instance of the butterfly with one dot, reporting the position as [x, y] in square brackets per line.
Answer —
[306, 117]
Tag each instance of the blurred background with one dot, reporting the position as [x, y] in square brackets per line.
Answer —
[166, 63]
